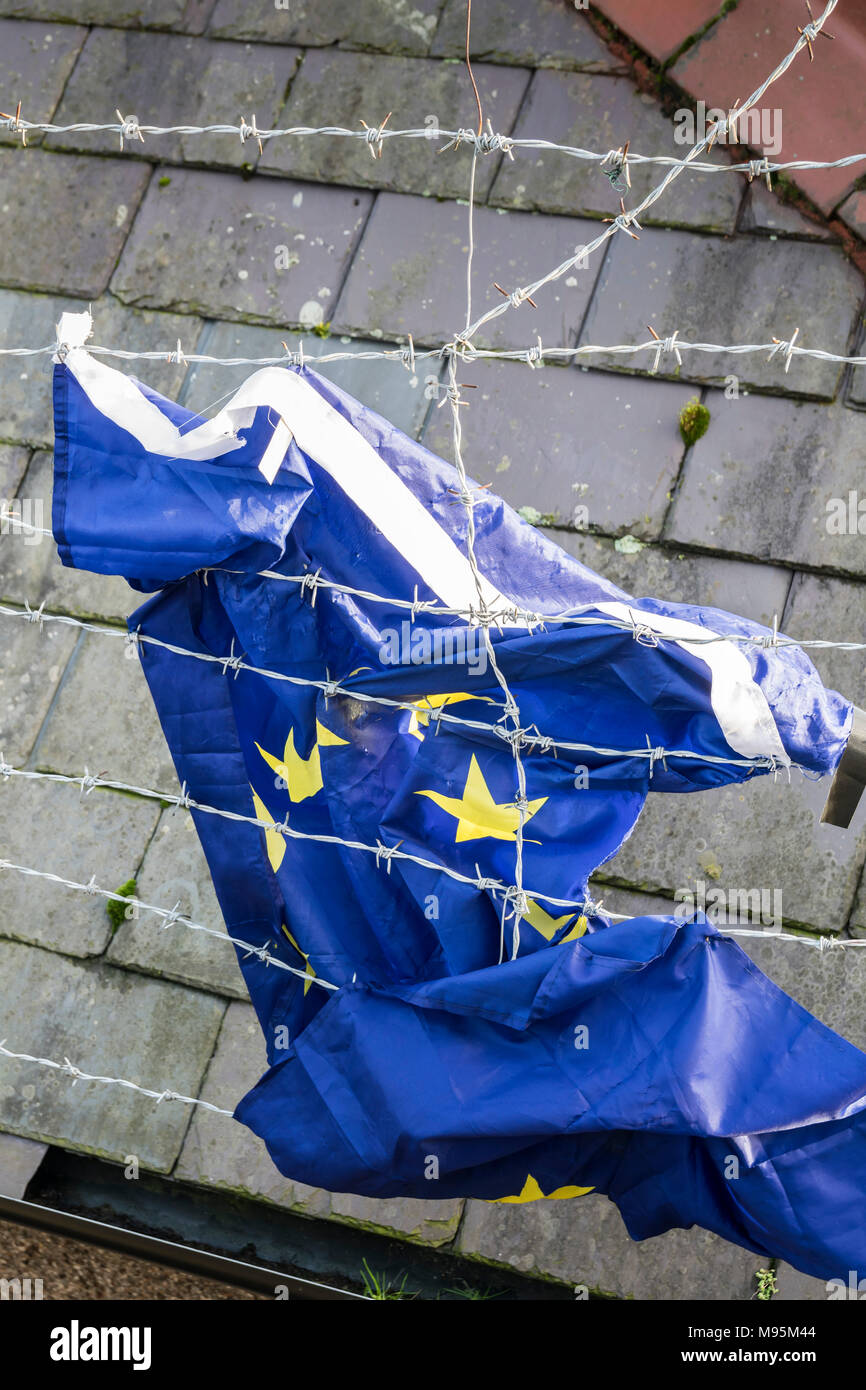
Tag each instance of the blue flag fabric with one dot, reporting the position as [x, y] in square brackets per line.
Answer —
[481, 1040]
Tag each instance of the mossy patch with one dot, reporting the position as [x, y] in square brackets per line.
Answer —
[117, 911]
[694, 421]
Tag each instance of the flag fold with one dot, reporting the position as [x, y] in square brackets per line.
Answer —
[325, 659]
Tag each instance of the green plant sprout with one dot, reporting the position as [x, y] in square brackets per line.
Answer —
[766, 1284]
[378, 1286]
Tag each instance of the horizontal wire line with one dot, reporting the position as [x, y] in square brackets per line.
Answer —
[88, 783]
[499, 617]
[629, 219]
[822, 944]
[130, 128]
[171, 915]
[78, 1075]
[530, 737]
[533, 356]
[486, 143]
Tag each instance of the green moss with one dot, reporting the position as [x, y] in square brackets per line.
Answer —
[694, 421]
[628, 545]
[537, 518]
[164, 181]
[117, 911]
[322, 330]
[766, 1283]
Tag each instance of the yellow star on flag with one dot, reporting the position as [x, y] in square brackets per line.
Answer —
[275, 843]
[310, 972]
[548, 926]
[531, 1192]
[420, 716]
[302, 776]
[477, 814]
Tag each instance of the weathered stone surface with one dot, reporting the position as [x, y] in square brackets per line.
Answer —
[857, 923]
[159, 14]
[389, 26]
[764, 212]
[19, 1159]
[31, 570]
[25, 383]
[239, 1160]
[31, 668]
[409, 274]
[770, 478]
[64, 219]
[829, 984]
[627, 903]
[853, 212]
[584, 1241]
[546, 35]
[386, 387]
[45, 826]
[430, 1223]
[365, 87]
[35, 61]
[830, 610]
[601, 113]
[857, 391]
[682, 839]
[104, 718]
[246, 233]
[792, 1286]
[742, 290]
[170, 79]
[13, 466]
[558, 439]
[231, 1156]
[737, 586]
[109, 1023]
[175, 871]
[756, 836]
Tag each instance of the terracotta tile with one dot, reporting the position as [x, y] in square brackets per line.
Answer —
[654, 27]
[823, 103]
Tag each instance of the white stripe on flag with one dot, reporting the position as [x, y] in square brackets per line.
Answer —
[738, 702]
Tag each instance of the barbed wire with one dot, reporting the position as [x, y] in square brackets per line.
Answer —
[130, 128]
[536, 355]
[821, 944]
[625, 222]
[382, 853]
[488, 142]
[512, 731]
[821, 941]
[515, 896]
[172, 917]
[78, 1075]
[510, 616]
[628, 220]
[531, 738]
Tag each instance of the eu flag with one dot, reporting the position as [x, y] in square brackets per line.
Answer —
[485, 1037]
